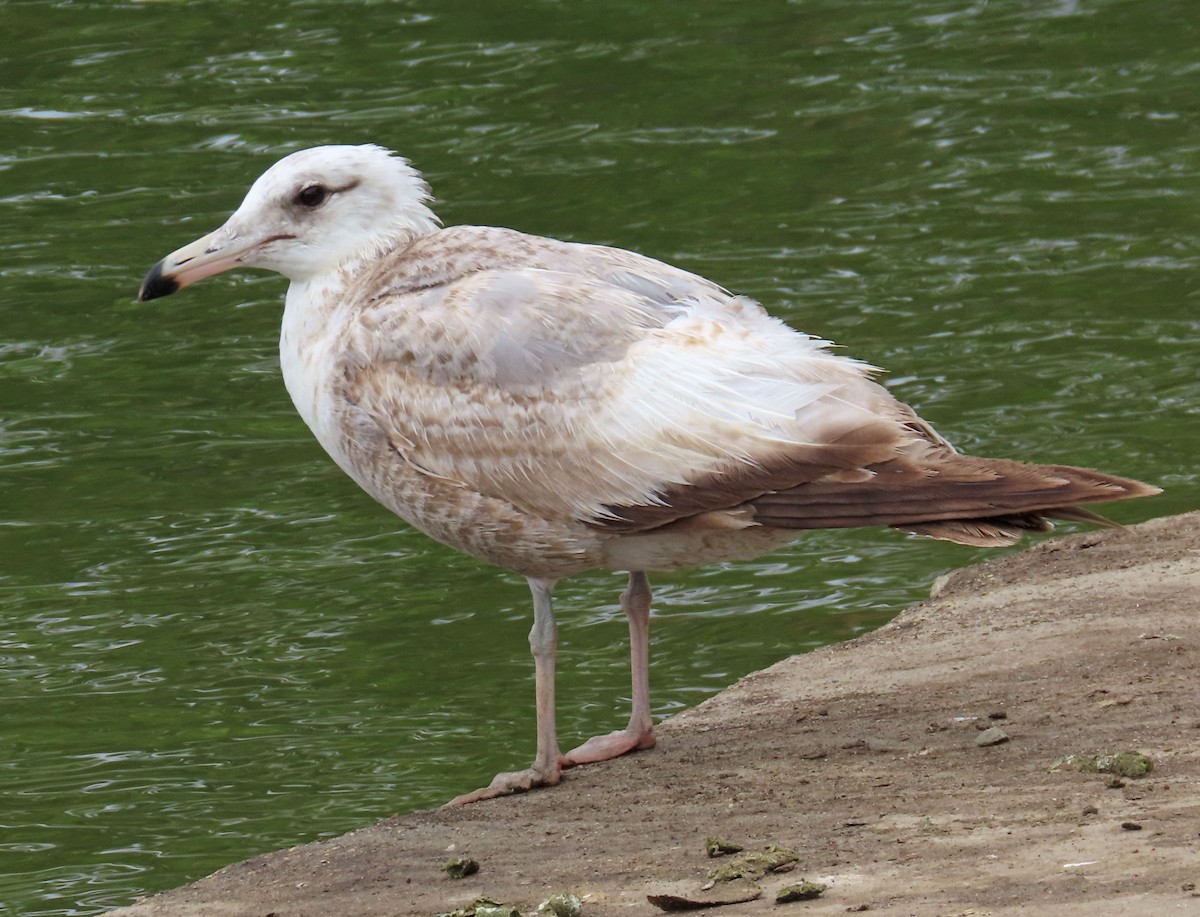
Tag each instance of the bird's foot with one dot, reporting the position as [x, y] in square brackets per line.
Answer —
[613, 745]
[507, 784]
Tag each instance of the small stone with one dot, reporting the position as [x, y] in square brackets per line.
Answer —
[991, 736]
[1090, 810]
[1131, 826]
[483, 907]
[998, 715]
[1126, 764]
[461, 867]
[563, 904]
[1114, 783]
[719, 847]
[1122, 764]
[801, 891]
[939, 585]
[496, 910]
[755, 865]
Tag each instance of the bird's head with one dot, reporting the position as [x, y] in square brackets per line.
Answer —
[306, 215]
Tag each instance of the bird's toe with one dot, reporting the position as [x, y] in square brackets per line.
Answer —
[606, 747]
[507, 784]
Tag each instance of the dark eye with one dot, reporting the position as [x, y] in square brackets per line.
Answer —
[312, 196]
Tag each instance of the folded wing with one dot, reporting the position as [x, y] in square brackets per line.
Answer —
[590, 384]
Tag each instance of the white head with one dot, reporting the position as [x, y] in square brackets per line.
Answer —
[305, 216]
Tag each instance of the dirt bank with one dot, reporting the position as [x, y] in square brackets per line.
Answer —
[864, 759]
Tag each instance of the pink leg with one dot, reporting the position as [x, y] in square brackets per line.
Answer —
[639, 734]
[546, 769]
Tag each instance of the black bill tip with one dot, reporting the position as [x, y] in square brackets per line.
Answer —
[156, 285]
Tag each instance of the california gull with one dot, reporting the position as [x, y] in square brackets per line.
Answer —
[553, 407]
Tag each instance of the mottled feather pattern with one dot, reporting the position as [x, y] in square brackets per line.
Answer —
[590, 394]
[504, 377]
[553, 407]
[576, 383]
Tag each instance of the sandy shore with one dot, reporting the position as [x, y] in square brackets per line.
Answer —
[864, 759]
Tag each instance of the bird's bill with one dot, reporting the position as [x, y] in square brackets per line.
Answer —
[218, 251]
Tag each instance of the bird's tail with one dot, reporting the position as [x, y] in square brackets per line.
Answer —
[967, 500]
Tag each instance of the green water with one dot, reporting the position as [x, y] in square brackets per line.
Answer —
[212, 645]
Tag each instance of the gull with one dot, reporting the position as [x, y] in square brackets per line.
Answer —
[554, 407]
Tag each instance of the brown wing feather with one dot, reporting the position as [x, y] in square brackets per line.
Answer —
[953, 497]
[740, 485]
[961, 498]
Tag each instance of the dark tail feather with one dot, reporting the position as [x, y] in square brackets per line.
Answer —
[1079, 514]
[981, 502]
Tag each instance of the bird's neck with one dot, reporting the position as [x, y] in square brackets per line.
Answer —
[312, 318]
[317, 310]
[313, 301]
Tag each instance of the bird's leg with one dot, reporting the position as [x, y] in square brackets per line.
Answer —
[546, 769]
[639, 734]
[543, 642]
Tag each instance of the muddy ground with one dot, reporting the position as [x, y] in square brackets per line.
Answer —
[864, 759]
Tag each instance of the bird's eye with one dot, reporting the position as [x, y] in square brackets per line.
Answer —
[312, 196]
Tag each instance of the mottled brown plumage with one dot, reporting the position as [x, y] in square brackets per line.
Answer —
[553, 407]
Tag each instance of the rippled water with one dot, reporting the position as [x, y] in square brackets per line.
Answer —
[212, 645]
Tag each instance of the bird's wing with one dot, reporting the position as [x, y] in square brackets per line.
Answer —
[586, 383]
